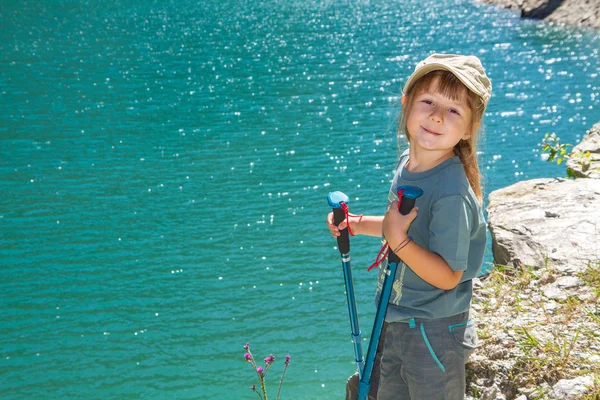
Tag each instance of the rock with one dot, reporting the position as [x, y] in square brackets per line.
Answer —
[571, 389]
[498, 354]
[570, 12]
[551, 306]
[352, 388]
[523, 234]
[580, 166]
[492, 393]
[594, 358]
[553, 226]
[569, 282]
[553, 292]
[527, 391]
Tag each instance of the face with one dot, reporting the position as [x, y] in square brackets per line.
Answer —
[436, 122]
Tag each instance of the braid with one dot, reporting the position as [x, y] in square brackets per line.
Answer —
[464, 149]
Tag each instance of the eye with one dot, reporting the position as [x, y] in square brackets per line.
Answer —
[429, 102]
[453, 111]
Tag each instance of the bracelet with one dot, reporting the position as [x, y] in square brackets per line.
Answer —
[403, 244]
[348, 222]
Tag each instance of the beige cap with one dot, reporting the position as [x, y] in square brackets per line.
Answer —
[467, 69]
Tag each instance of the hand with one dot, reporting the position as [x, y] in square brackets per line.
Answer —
[335, 230]
[395, 225]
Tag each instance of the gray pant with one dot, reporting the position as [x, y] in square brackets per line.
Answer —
[425, 359]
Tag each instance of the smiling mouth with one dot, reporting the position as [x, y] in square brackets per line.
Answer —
[430, 131]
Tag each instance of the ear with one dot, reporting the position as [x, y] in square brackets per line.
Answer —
[473, 130]
[403, 100]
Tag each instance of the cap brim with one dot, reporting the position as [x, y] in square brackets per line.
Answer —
[436, 67]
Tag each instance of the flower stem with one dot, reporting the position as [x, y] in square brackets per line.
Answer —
[267, 367]
[251, 360]
[281, 381]
[262, 385]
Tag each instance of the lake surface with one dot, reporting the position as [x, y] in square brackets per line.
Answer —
[164, 168]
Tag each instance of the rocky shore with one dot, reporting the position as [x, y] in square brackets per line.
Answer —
[585, 13]
[538, 311]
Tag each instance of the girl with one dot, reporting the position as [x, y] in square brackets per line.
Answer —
[441, 242]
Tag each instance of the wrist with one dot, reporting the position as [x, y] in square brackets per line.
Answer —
[403, 243]
[396, 241]
[355, 224]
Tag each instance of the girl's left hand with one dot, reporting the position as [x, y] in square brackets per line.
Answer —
[395, 225]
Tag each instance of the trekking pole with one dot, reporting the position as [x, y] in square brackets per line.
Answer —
[338, 201]
[407, 196]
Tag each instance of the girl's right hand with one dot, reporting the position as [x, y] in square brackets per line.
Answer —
[335, 230]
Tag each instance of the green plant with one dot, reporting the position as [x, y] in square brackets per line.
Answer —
[567, 348]
[530, 342]
[538, 394]
[591, 276]
[557, 152]
[262, 372]
[592, 316]
[545, 361]
[570, 309]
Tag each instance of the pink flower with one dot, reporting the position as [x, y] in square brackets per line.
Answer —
[248, 357]
[287, 360]
[269, 359]
[259, 370]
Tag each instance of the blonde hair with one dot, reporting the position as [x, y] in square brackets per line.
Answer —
[450, 86]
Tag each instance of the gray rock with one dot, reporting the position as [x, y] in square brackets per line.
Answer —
[595, 358]
[554, 293]
[551, 306]
[523, 234]
[569, 282]
[571, 389]
[492, 393]
[580, 166]
[570, 12]
[521, 397]
[527, 391]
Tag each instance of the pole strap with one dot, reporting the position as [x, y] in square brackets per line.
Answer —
[385, 248]
[344, 207]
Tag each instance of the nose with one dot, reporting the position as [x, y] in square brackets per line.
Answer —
[436, 115]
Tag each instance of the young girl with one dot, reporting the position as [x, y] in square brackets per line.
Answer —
[441, 242]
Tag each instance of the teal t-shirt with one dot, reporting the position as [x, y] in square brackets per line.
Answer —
[450, 223]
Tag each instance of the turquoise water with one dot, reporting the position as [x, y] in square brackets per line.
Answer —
[164, 168]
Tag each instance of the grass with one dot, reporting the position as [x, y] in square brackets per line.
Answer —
[551, 342]
[571, 309]
[591, 276]
[501, 275]
[546, 360]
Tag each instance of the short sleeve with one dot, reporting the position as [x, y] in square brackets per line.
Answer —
[450, 231]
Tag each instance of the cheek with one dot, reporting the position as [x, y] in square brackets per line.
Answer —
[459, 121]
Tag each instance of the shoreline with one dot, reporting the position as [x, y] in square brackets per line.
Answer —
[579, 13]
